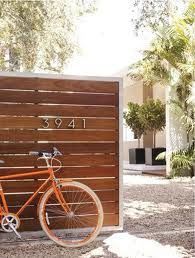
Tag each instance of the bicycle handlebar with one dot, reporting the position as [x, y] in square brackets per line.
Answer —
[34, 153]
[55, 152]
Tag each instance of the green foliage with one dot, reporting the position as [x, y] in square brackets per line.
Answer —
[183, 159]
[152, 116]
[150, 13]
[86, 6]
[132, 119]
[171, 61]
[161, 156]
[149, 69]
[174, 46]
[37, 35]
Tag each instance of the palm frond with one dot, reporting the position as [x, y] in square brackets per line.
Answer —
[161, 156]
[183, 158]
[187, 67]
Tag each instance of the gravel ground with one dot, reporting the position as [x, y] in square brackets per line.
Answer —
[157, 204]
[158, 223]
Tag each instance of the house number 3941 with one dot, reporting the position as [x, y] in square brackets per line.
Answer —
[58, 123]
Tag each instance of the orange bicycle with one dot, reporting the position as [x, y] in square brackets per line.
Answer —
[69, 212]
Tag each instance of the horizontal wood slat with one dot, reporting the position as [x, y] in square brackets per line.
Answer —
[31, 211]
[57, 98]
[31, 186]
[66, 172]
[37, 122]
[56, 135]
[65, 148]
[17, 199]
[67, 160]
[56, 110]
[58, 85]
[29, 224]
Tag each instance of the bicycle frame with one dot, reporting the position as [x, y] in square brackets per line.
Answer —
[51, 177]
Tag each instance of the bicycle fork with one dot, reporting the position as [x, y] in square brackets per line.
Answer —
[60, 197]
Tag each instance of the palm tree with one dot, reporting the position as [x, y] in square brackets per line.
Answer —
[172, 55]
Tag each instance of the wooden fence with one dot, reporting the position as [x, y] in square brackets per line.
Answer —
[80, 118]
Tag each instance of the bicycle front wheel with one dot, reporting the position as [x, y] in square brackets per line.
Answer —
[81, 224]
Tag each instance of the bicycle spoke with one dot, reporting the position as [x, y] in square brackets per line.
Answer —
[80, 222]
[58, 211]
[80, 202]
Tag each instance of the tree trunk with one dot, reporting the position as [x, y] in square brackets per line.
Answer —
[193, 131]
[193, 163]
[154, 139]
[14, 64]
[138, 142]
[188, 137]
[192, 172]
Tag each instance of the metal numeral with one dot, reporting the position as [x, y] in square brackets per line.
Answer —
[84, 123]
[72, 124]
[46, 121]
[58, 122]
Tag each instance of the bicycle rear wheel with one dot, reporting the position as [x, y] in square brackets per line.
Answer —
[81, 224]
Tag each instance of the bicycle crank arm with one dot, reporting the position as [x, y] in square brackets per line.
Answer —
[14, 230]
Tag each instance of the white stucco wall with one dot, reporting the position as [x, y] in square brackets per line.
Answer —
[175, 131]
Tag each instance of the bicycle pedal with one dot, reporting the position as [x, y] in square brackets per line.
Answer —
[18, 235]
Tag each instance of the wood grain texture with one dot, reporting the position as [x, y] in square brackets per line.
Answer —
[65, 148]
[67, 160]
[57, 98]
[57, 135]
[65, 172]
[58, 85]
[56, 110]
[31, 186]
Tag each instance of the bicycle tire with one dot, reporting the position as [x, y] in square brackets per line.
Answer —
[64, 237]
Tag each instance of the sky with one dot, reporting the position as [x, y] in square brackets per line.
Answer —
[108, 43]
